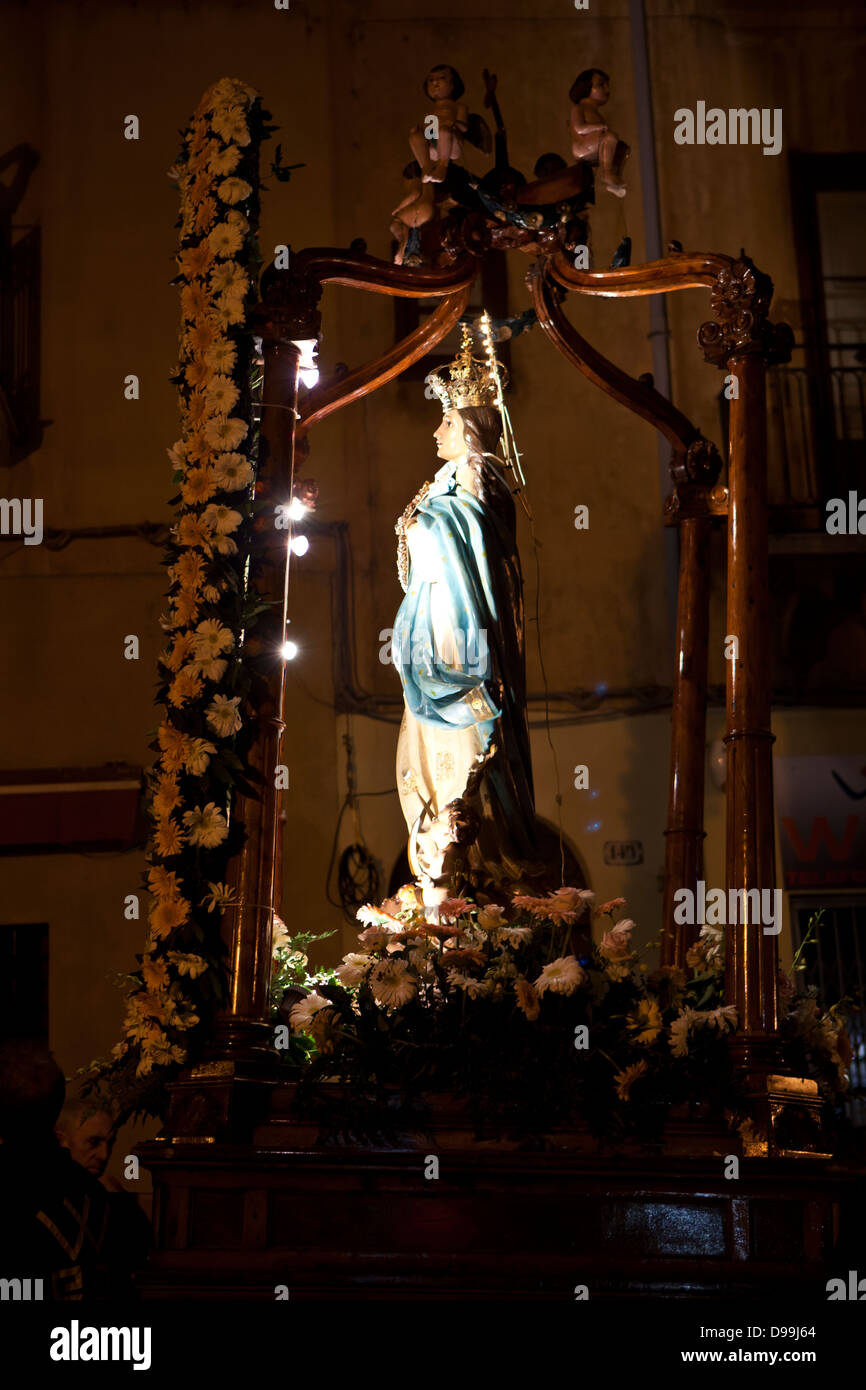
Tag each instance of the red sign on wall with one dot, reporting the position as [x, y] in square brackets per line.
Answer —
[821, 808]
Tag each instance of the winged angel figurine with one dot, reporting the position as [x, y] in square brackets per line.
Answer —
[436, 143]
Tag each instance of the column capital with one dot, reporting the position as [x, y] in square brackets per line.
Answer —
[289, 307]
[740, 300]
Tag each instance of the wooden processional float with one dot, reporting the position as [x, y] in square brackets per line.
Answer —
[742, 342]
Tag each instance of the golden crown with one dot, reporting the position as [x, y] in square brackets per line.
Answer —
[467, 381]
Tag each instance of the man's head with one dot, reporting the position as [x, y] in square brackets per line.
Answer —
[86, 1129]
[32, 1088]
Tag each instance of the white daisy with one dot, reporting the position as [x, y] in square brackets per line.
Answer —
[392, 984]
[232, 472]
[221, 519]
[354, 968]
[206, 825]
[211, 638]
[301, 1016]
[198, 756]
[561, 976]
[222, 715]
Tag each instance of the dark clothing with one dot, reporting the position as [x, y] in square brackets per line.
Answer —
[133, 1227]
[58, 1224]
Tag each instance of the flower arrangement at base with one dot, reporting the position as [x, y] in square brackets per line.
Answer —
[513, 1007]
[202, 740]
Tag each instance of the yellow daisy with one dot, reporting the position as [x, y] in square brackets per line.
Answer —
[198, 485]
[173, 745]
[225, 239]
[196, 261]
[194, 300]
[166, 915]
[187, 685]
[184, 607]
[646, 1021]
[197, 448]
[197, 408]
[182, 649]
[196, 372]
[624, 1080]
[231, 125]
[168, 839]
[189, 569]
[222, 356]
[167, 795]
[229, 276]
[154, 972]
[224, 161]
[205, 214]
[163, 883]
[201, 335]
[193, 531]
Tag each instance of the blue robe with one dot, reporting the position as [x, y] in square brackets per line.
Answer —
[479, 680]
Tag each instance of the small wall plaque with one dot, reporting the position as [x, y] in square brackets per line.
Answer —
[623, 852]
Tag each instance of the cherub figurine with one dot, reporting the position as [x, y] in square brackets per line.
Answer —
[591, 138]
[435, 143]
[417, 208]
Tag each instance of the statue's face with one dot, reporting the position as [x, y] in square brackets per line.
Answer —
[600, 88]
[450, 439]
[439, 85]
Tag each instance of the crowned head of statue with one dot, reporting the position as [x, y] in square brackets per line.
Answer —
[469, 390]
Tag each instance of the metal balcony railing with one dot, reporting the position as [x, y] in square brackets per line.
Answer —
[816, 441]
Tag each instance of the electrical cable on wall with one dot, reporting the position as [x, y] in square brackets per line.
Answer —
[358, 877]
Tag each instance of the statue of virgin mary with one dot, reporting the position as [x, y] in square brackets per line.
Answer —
[464, 775]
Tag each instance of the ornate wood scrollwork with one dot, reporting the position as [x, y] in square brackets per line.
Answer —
[741, 302]
[701, 463]
[694, 459]
[289, 311]
[289, 308]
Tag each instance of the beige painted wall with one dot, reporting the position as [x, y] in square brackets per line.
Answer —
[343, 83]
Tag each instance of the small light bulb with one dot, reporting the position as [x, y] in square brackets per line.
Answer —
[300, 545]
[288, 651]
[307, 369]
[296, 509]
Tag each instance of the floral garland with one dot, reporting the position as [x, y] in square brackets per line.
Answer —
[489, 1003]
[202, 739]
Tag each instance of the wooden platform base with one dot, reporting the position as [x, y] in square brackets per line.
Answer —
[248, 1222]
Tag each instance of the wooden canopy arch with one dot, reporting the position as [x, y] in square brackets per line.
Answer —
[741, 341]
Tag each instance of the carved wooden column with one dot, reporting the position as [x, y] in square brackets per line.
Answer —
[693, 509]
[741, 342]
[784, 1110]
[684, 836]
[287, 315]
